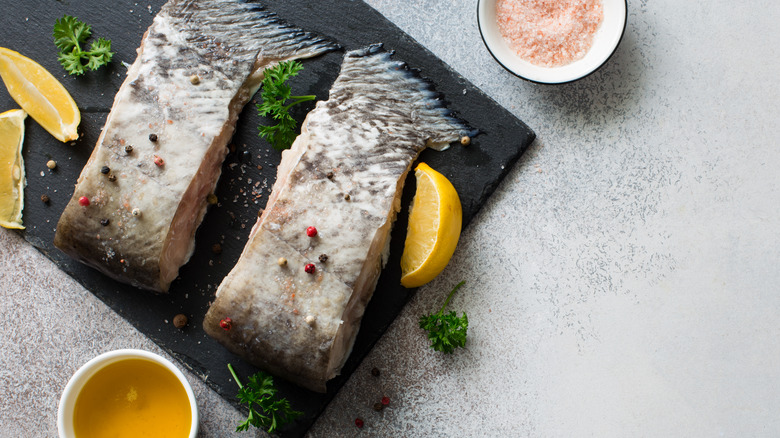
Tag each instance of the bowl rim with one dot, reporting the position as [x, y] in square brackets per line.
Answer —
[510, 70]
[86, 371]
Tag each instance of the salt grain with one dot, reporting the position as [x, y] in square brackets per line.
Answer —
[549, 33]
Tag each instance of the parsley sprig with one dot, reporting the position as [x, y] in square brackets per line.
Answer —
[69, 35]
[260, 391]
[276, 92]
[446, 331]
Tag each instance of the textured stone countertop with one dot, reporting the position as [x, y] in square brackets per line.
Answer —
[622, 281]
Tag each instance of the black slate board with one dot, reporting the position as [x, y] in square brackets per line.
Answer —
[475, 171]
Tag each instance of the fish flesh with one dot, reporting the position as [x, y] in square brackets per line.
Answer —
[293, 303]
[143, 192]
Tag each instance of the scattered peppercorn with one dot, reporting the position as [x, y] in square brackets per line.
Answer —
[136, 212]
[323, 258]
[51, 164]
[180, 320]
[226, 323]
[152, 137]
[104, 222]
[378, 406]
[45, 199]
[159, 161]
[375, 372]
[311, 232]
[128, 149]
[246, 155]
[282, 262]
[104, 170]
[385, 400]
[347, 197]
[310, 319]
[359, 423]
[212, 199]
[84, 201]
[465, 140]
[329, 175]
[195, 79]
[112, 177]
[309, 268]
[216, 248]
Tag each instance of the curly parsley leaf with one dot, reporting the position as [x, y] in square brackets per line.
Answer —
[69, 36]
[446, 331]
[275, 94]
[265, 409]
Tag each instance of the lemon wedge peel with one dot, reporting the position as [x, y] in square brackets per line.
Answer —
[40, 94]
[12, 176]
[435, 221]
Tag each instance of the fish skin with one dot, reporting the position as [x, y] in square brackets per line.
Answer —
[361, 142]
[227, 44]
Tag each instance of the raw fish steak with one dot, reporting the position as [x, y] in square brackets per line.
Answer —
[294, 301]
[142, 194]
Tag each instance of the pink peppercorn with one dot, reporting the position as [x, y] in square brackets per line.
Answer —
[83, 201]
[385, 401]
[311, 231]
[358, 423]
[226, 323]
[159, 161]
[309, 268]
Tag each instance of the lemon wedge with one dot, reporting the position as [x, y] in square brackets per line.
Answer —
[11, 168]
[435, 220]
[40, 94]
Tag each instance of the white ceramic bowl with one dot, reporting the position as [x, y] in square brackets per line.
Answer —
[605, 42]
[76, 383]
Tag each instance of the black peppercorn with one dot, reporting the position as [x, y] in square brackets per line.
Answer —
[323, 258]
[128, 149]
[329, 175]
[180, 320]
[375, 372]
[378, 406]
[216, 248]
[152, 137]
[112, 177]
[104, 170]
[45, 199]
[104, 222]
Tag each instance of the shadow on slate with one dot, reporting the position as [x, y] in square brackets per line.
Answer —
[248, 173]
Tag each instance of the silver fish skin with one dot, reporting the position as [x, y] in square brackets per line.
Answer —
[343, 175]
[199, 63]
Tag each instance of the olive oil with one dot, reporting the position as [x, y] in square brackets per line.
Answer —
[132, 398]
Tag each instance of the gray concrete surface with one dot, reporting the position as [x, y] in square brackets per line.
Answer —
[622, 281]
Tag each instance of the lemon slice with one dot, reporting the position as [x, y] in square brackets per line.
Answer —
[40, 94]
[435, 219]
[11, 168]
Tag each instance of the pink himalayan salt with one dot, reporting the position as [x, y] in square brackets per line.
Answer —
[549, 33]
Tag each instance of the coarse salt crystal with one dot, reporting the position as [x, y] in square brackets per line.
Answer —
[549, 33]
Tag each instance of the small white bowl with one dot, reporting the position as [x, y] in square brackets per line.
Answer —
[76, 383]
[605, 42]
